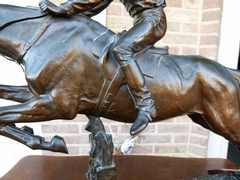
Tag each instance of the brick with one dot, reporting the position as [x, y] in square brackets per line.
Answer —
[190, 28]
[106, 121]
[120, 23]
[114, 9]
[77, 139]
[212, 4]
[170, 149]
[174, 50]
[199, 141]
[189, 51]
[197, 129]
[181, 138]
[209, 52]
[180, 39]
[114, 129]
[120, 139]
[209, 40]
[210, 28]
[148, 149]
[80, 118]
[211, 16]
[180, 15]
[192, 4]
[60, 128]
[183, 119]
[154, 139]
[177, 3]
[85, 149]
[198, 151]
[125, 13]
[173, 26]
[73, 150]
[168, 120]
[174, 128]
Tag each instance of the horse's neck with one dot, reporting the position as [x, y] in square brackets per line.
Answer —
[14, 36]
[10, 13]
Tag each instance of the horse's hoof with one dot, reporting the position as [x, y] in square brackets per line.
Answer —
[27, 129]
[58, 145]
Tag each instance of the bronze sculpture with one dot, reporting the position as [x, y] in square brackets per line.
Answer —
[149, 27]
[66, 81]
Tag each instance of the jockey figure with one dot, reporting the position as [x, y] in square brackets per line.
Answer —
[149, 27]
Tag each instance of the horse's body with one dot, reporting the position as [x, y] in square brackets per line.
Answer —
[65, 77]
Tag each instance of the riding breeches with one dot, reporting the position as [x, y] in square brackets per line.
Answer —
[147, 31]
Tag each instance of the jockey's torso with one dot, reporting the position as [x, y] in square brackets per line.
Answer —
[136, 6]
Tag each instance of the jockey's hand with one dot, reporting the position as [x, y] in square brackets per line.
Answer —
[51, 8]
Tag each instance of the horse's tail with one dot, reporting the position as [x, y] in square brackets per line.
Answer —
[235, 73]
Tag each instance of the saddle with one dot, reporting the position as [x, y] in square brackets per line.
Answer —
[148, 60]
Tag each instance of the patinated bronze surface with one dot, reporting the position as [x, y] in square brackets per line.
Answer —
[149, 26]
[70, 70]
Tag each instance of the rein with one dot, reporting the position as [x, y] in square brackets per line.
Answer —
[34, 39]
[20, 20]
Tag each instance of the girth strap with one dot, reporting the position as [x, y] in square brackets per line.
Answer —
[108, 93]
[109, 89]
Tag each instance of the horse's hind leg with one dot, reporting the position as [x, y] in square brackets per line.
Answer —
[24, 128]
[57, 144]
[221, 109]
[15, 93]
[199, 119]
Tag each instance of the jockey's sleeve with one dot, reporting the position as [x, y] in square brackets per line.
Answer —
[97, 9]
[72, 7]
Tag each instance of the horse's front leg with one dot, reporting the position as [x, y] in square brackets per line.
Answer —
[15, 93]
[39, 109]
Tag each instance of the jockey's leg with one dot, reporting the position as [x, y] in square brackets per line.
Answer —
[145, 32]
[137, 85]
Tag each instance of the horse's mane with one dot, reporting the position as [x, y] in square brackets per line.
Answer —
[10, 14]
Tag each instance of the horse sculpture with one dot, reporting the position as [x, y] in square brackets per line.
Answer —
[70, 70]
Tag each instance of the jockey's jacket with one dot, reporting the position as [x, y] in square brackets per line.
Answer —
[135, 6]
[93, 7]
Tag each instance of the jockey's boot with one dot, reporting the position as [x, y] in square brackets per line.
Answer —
[144, 104]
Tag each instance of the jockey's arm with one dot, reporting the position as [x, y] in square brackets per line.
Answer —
[97, 9]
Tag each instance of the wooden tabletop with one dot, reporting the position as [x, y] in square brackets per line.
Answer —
[128, 167]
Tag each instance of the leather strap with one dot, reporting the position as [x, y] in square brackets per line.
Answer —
[109, 90]
[34, 39]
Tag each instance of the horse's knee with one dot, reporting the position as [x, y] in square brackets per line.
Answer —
[67, 110]
[67, 107]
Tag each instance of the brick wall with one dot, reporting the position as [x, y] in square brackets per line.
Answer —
[193, 28]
